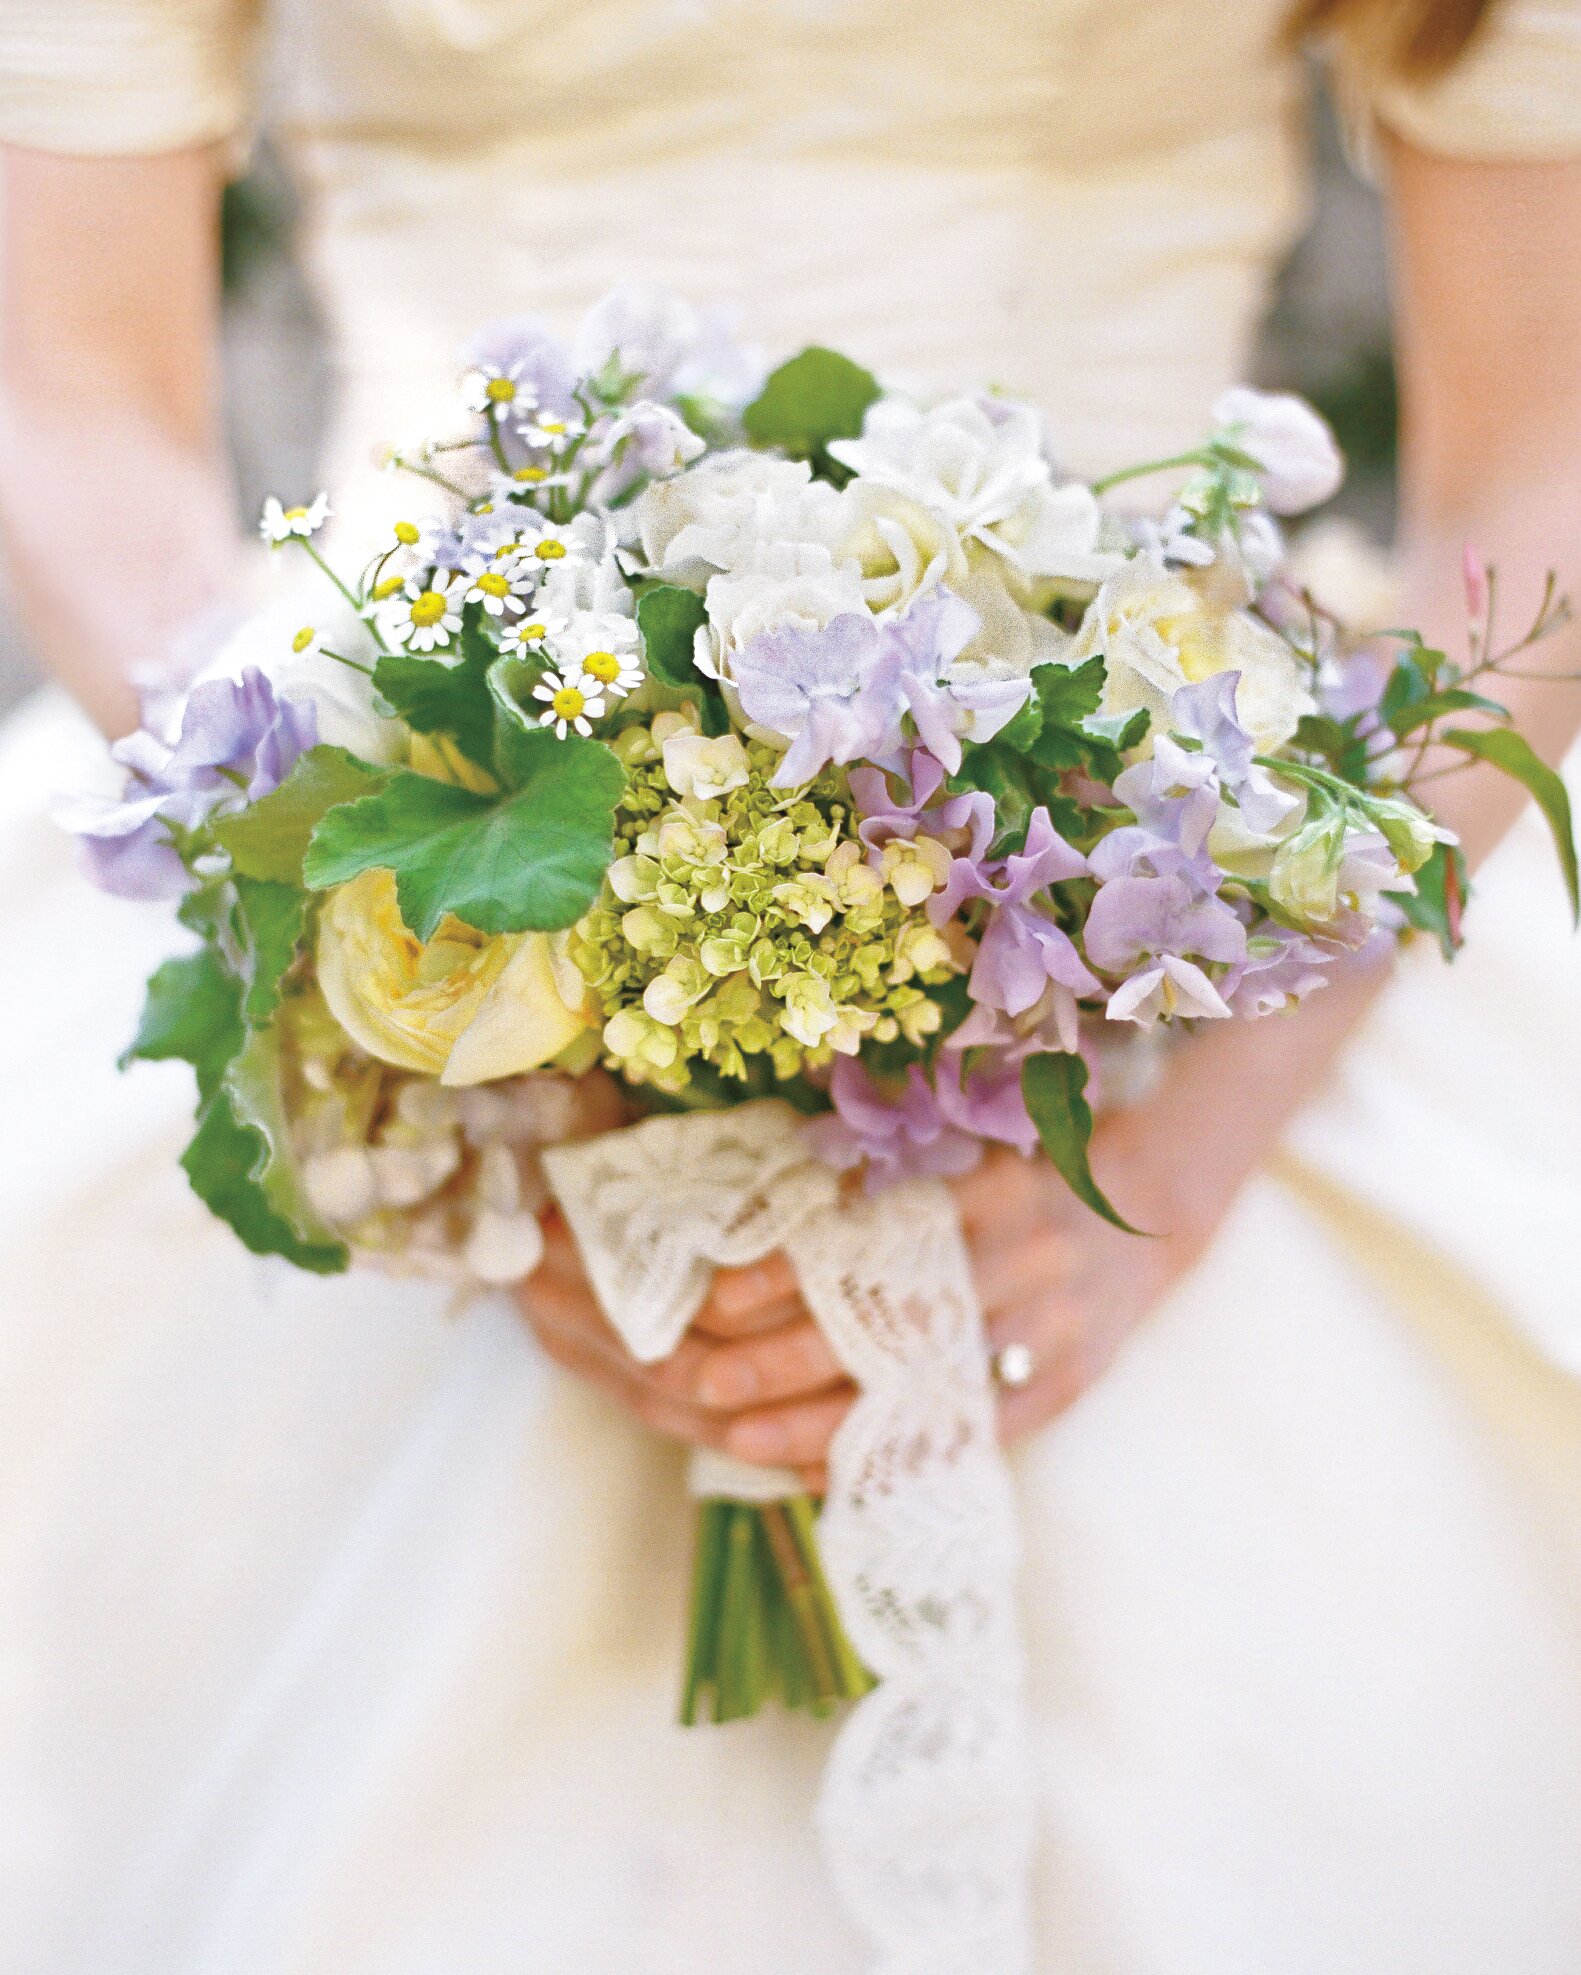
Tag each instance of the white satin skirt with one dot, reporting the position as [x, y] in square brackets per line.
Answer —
[339, 1633]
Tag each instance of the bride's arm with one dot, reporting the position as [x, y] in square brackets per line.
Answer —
[1489, 304]
[115, 503]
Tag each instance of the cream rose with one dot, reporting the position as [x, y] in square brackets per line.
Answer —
[466, 1007]
[1156, 633]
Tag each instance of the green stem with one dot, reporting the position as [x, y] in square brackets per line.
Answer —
[797, 1582]
[1125, 473]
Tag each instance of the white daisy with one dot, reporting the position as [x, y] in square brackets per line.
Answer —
[568, 703]
[601, 647]
[278, 524]
[500, 388]
[550, 543]
[551, 433]
[537, 627]
[504, 585]
[429, 611]
[522, 480]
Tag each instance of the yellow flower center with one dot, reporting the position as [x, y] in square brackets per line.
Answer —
[388, 588]
[493, 584]
[549, 551]
[406, 533]
[602, 665]
[530, 634]
[427, 609]
[499, 391]
[303, 638]
[528, 475]
[296, 514]
[567, 703]
[484, 507]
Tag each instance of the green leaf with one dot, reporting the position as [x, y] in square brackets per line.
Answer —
[1454, 699]
[1508, 752]
[668, 618]
[1442, 888]
[1068, 699]
[1052, 1085]
[269, 921]
[192, 1014]
[1407, 685]
[240, 1165]
[816, 397]
[532, 861]
[447, 695]
[269, 840]
[1069, 694]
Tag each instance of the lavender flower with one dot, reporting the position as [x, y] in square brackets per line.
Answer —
[1206, 713]
[901, 1138]
[1021, 950]
[647, 441]
[238, 740]
[521, 352]
[1281, 968]
[949, 703]
[824, 691]
[885, 817]
[1145, 928]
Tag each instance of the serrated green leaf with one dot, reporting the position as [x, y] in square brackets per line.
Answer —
[669, 619]
[817, 396]
[269, 839]
[240, 1165]
[1069, 694]
[1454, 699]
[192, 1014]
[442, 695]
[1442, 888]
[532, 860]
[1019, 733]
[1052, 1085]
[1511, 754]
[269, 921]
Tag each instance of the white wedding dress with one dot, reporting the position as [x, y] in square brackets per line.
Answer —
[339, 1633]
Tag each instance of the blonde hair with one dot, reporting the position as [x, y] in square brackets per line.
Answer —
[1412, 38]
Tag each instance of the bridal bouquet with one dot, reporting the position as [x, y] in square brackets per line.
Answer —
[826, 769]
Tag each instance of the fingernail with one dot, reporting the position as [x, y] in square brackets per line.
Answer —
[731, 1383]
[756, 1440]
[737, 1292]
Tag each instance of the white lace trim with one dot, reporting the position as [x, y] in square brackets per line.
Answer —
[926, 1806]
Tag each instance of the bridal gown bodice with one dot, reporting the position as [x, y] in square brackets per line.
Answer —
[337, 1636]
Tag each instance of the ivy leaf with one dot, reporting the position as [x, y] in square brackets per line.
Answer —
[240, 1165]
[1453, 699]
[1052, 1085]
[532, 861]
[192, 1014]
[269, 840]
[816, 397]
[444, 696]
[1442, 889]
[269, 919]
[669, 618]
[1509, 753]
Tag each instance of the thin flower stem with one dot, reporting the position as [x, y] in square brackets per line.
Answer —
[496, 444]
[1125, 473]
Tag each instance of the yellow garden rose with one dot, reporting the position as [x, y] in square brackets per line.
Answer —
[465, 1007]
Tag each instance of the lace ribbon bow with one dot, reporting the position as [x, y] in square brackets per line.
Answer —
[925, 1810]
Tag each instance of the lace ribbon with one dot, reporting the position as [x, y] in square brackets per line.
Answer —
[926, 1807]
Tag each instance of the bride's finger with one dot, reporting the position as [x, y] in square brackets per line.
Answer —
[795, 1435]
[741, 1301]
[785, 1363]
[1014, 1271]
[636, 1393]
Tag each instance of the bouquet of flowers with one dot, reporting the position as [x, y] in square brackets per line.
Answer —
[823, 767]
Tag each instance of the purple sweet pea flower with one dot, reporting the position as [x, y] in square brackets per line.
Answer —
[238, 740]
[893, 1139]
[1021, 950]
[948, 704]
[1281, 968]
[1206, 713]
[825, 691]
[647, 441]
[1175, 797]
[1145, 928]
[885, 816]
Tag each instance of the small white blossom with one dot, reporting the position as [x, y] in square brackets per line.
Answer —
[428, 612]
[697, 765]
[537, 627]
[503, 587]
[499, 388]
[568, 703]
[1300, 463]
[279, 524]
[549, 433]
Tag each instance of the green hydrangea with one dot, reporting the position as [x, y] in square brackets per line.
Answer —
[739, 920]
